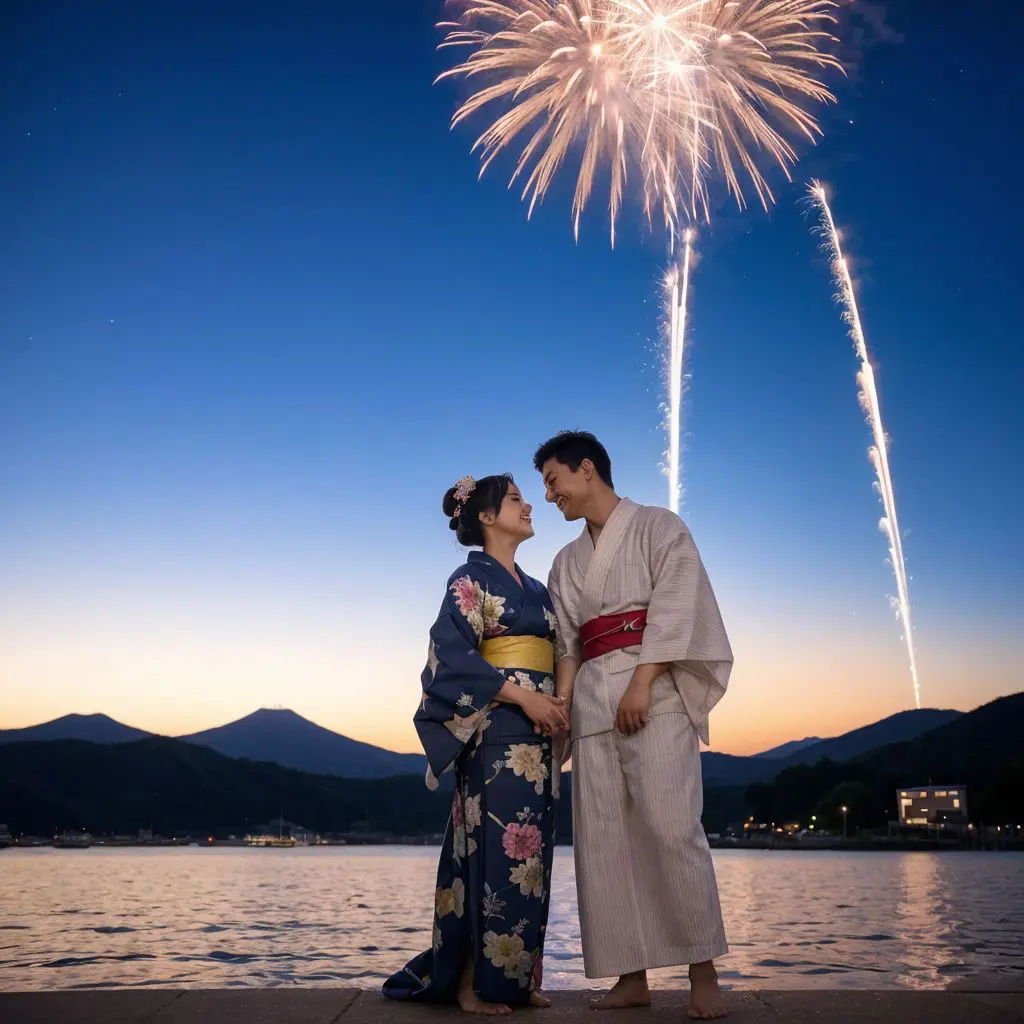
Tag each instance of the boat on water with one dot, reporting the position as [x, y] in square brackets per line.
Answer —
[288, 835]
[271, 841]
[72, 840]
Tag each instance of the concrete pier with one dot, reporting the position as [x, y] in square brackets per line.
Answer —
[995, 1000]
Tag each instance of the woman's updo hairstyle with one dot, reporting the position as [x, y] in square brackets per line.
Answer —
[464, 516]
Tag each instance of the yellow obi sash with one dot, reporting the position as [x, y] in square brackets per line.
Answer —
[526, 652]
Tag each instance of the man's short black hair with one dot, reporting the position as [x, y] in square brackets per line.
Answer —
[570, 448]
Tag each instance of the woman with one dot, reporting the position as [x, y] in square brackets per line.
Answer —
[488, 712]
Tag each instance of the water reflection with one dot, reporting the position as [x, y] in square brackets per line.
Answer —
[230, 917]
[919, 921]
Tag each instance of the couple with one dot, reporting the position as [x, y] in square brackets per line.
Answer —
[627, 644]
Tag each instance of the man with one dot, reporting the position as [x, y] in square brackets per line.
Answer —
[643, 658]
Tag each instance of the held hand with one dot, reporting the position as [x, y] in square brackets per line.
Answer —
[563, 748]
[633, 708]
[548, 714]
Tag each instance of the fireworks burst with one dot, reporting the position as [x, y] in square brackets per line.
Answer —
[879, 451]
[671, 90]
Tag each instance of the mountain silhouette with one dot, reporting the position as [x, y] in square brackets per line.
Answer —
[295, 742]
[292, 741]
[985, 739]
[904, 725]
[730, 770]
[177, 787]
[786, 749]
[980, 750]
[93, 728]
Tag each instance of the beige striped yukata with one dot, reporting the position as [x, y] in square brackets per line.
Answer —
[646, 882]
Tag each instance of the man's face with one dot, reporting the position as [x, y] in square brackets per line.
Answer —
[565, 488]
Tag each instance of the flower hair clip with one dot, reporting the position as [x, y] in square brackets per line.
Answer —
[463, 489]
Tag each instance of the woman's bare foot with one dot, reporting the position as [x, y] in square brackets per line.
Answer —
[470, 1002]
[706, 1001]
[536, 999]
[629, 990]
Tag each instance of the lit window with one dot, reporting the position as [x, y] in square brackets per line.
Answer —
[956, 805]
[903, 794]
[922, 795]
[940, 792]
[923, 810]
[954, 792]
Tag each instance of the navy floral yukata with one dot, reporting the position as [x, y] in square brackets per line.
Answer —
[494, 875]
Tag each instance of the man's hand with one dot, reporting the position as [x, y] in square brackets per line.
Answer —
[633, 708]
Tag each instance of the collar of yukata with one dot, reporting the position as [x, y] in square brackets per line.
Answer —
[463, 489]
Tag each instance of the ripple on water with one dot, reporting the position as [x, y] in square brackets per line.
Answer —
[77, 961]
[352, 916]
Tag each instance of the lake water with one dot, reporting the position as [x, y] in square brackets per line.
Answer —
[350, 916]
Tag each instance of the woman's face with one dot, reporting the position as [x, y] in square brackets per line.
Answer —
[514, 518]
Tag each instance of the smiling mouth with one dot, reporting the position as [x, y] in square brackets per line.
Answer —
[560, 504]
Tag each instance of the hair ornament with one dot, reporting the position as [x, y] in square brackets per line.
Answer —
[463, 489]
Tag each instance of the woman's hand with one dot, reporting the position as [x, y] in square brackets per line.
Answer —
[563, 747]
[548, 714]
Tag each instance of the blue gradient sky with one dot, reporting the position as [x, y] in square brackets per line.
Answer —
[256, 314]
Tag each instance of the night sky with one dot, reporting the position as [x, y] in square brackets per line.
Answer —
[257, 314]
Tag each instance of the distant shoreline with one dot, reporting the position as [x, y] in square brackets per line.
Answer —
[435, 843]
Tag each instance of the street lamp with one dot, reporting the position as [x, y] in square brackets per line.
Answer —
[844, 809]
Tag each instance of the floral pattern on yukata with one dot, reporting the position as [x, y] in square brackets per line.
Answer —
[494, 874]
[482, 609]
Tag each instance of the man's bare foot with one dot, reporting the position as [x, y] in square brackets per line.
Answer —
[536, 999]
[706, 1001]
[470, 1002]
[629, 990]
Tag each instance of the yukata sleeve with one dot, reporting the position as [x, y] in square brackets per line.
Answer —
[567, 641]
[459, 685]
[684, 625]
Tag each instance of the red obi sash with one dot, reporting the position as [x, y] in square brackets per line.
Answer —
[611, 633]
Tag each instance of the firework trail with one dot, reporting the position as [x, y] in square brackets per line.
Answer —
[677, 287]
[668, 91]
[878, 453]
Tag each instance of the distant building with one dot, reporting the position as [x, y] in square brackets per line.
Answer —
[5, 836]
[933, 807]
